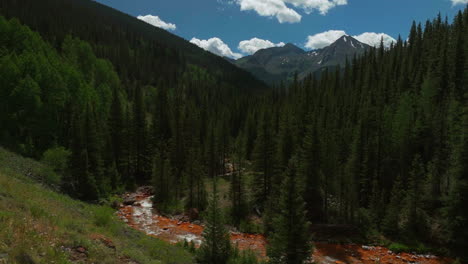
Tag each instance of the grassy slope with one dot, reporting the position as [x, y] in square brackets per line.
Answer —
[38, 225]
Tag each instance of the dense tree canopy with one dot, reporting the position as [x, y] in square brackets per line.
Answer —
[380, 143]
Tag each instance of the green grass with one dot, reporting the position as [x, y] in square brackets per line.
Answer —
[39, 225]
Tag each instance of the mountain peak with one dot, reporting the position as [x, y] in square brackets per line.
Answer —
[281, 63]
[346, 41]
[291, 46]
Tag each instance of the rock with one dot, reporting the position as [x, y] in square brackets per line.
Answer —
[81, 249]
[108, 243]
[25, 258]
[196, 222]
[78, 254]
[367, 247]
[148, 190]
[116, 205]
[193, 214]
[229, 167]
[130, 200]
[182, 218]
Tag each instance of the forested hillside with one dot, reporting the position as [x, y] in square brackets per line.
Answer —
[381, 144]
[142, 54]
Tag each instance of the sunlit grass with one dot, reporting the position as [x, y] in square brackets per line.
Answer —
[42, 226]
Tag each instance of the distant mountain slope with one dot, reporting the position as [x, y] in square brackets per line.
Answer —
[280, 63]
[141, 53]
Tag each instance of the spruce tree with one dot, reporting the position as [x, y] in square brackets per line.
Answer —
[216, 247]
[309, 172]
[290, 242]
[390, 223]
[264, 162]
[457, 204]
[238, 199]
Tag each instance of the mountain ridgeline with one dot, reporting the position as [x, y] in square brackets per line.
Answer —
[379, 143]
[277, 64]
[141, 53]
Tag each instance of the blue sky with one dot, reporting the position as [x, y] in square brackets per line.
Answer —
[221, 25]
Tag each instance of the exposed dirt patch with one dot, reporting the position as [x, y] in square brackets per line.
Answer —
[104, 240]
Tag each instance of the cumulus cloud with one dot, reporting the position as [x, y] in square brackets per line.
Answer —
[286, 14]
[326, 38]
[373, 39]
[271, 8]
[323, 6]
[323, 39]
[459, 2]
[253, 45]
[157, 22]
[216, 46]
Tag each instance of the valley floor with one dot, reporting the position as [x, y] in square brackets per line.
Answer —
[142, 216]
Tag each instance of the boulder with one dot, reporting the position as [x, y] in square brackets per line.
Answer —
[80, 249]
[193, 214]
[129, 200]
[116, 205]
[148, 190]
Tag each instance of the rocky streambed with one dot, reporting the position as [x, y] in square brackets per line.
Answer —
[139, 213]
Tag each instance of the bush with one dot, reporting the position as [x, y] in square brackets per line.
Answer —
[49, 176]
[244, 257]
[102, 216]
[57, 159]
[365, 224]
[397, 247]
[250, 227]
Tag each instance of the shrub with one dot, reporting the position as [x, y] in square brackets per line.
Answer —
[102, 216]
[246, 226]
[397, 247]
[49, 176]
[57, 159]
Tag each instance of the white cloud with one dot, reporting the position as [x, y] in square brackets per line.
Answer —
[157, 22]
[253, 45]
[326, 38]
[271, 8]
[216, 46]
[323, 39]
[286, 14]
[459, 2]
[373, 39]
[323, 6]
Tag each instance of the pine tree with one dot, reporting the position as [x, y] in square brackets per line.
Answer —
[309, 172]
[142, 155]
[216, 247]
[83, 183]
[195, 181]
[162, 179]
[264, 163]
[390, 223]
[290, 242]
[238, 199]
[117, 138]
[457, 203]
